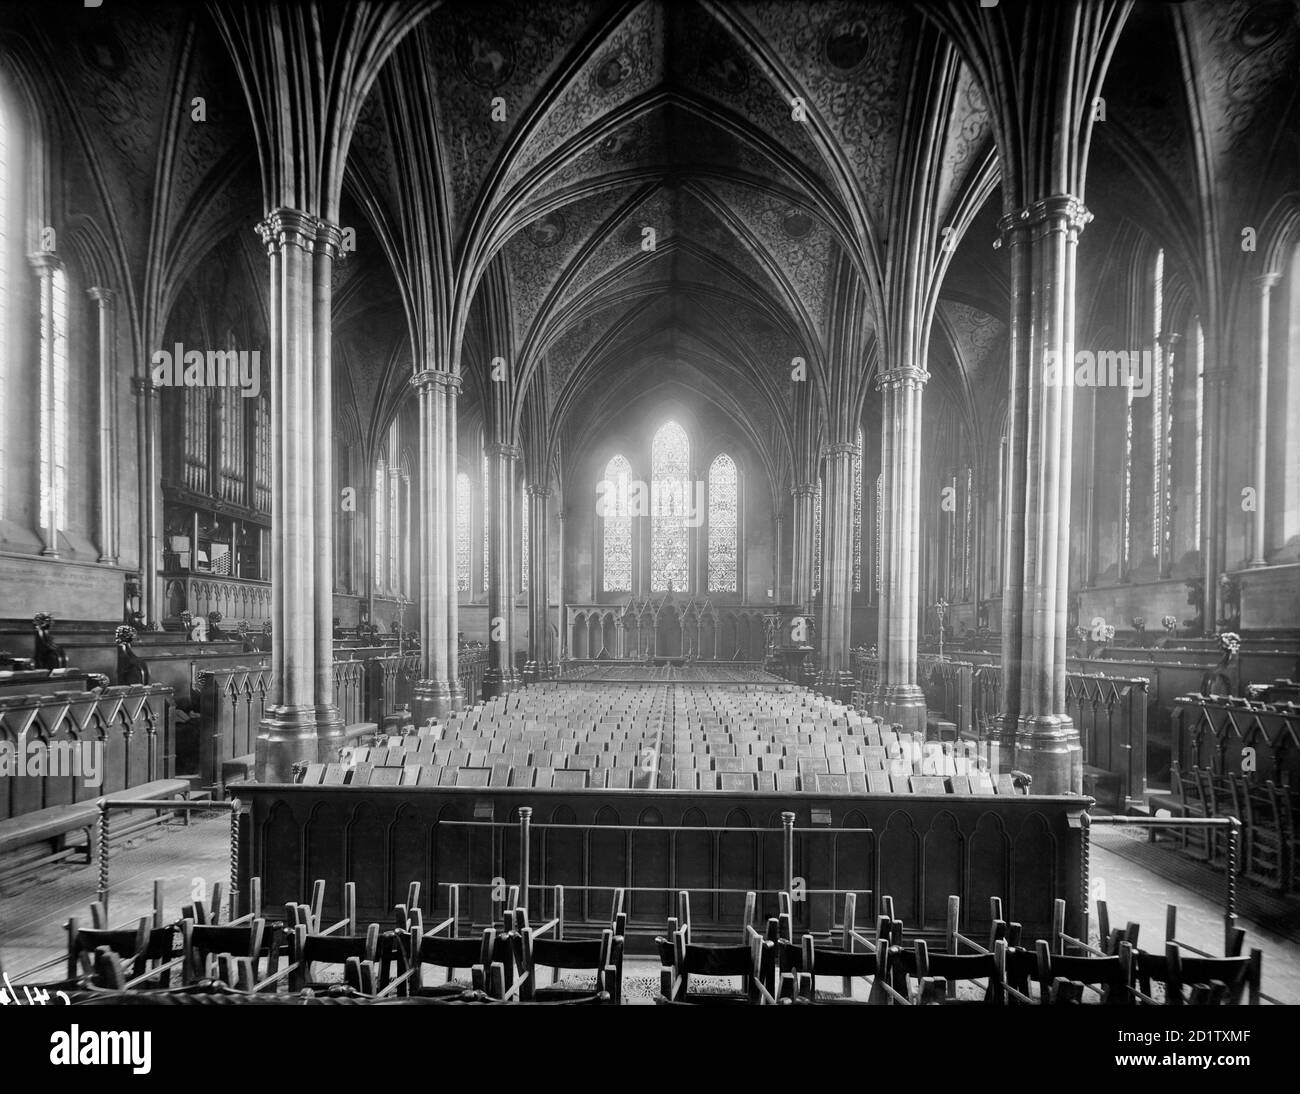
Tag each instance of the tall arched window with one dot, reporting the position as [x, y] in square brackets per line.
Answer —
[487, 527]
[1162, 417]
[670, 463]
[463, 526]
[378, 509]
[817, 537]
[724, 525]
[1288, 534]
[616, 530]
[8, 243]
[857, 517]
[54, 407]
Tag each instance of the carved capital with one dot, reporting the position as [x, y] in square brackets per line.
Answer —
[143, 387]
[1266, 282]
[804, 490]
[44, 262]
[505, 451]
[102, 296]
[329, 239]
[288, 227]
[844, 448]
[426, 379]
[1066, 208]
[907, 375]
[536, 491]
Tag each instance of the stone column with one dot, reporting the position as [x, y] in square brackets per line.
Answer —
[439, 662]
[500, 678]
[899, 699]
[1265, 283]
[801, 570]
[109, 487]
[45, 264]
[539, 582]
[148, 485]
[564, 629]
[837, 567]
[1043, 240]
[778, 546]
[300, 721]
[451, 622]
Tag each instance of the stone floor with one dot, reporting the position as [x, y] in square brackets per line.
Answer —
[189, 859]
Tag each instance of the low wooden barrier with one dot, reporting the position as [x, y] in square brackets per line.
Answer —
[920, 849]
[472, 669]
[1212, 733]
[132, 725]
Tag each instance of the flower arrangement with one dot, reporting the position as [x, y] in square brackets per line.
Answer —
[42, 619]
[1108, 633]
[1081, 633]
[124, 635]
[187, 619]
[1230, 642]
[1169, 622]
[1138, 623]
[214, 617]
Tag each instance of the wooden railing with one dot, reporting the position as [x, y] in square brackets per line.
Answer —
[132, 726]
[234, 597]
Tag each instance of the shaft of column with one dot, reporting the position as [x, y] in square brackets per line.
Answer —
[778, 546]
[801, 547]
[1265, 284]
[900, 700]
[431, 697]
[447, 515]
[539, 632]
[297, 725]
[564, 622]
[329, 722]
[500, 678]
[837, 570]
[1046, 740]
[108, 485]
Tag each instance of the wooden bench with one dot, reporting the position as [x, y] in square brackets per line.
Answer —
[53, 824]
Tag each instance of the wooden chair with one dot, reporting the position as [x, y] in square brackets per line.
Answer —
[1207, 981]
[933, 978]
[753, 962]
[145, 954]
[202, 944]
[416, 949]
[1066, 978]
[356, 955]
[590, 955]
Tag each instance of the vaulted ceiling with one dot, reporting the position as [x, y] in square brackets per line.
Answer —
[605, 194]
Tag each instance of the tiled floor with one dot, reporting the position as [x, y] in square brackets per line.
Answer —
[32, 918]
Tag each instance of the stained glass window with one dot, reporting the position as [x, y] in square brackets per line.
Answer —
[817, 538]
[670, 461]
[487, 528]
[1160, 409]
[394, 529]
[880, 517]
[57, 408]
[462, 533]
[857, 518]
[4, 289]
[523, 539]
[723, 525]
[378, 507]
[616, 518]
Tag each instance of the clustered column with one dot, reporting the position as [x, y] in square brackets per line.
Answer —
[1265, 284]
[439, 667]
[301, 722]
[539, 583]
[1043, 241]
[899, 699]
[108, 484]
[837, 569]
[500, 677]
[801, 567]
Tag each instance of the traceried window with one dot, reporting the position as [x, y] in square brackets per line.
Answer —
[857, 518]
[463, 526]
[523, 539]
[670, 461]
[724, 525]
[262, 454]
[378, 507]
[1162, 418]
[54, 406]
[616, 531]
[7, 243]
[487, 528]
[817, 538]
[394, 529]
